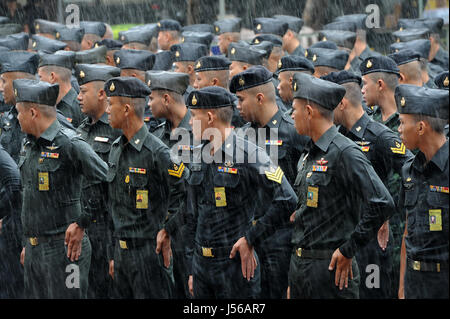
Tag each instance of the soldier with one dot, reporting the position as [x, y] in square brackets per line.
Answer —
[96, 55]
[258, 106]
[168, 33]
[185, 55]
[326, 60]
[408, 63]
[291, 42]
[335, 182]
[46, 28]
[93, 32]
[229, 31]
[53, 163]
[215, 71]
[39, 43]
[385, 151]
[112, 47]
[145, 186]
[11, 272]
[244, 56]
[276, 52]
[424, 193]
[228, 216]
[166, 101]
[95, 130]
[71, 36]
[57, 68]
[137, 39]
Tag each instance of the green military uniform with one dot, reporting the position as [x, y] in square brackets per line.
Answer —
[51, 169]
[342, 202]
[145, 184]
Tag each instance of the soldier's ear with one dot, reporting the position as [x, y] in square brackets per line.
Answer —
[402, 78]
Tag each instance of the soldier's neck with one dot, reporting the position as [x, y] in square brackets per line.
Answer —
[433, 50]
[319, 127]
[217, 140]
[42, 125]
[133, 126]
[293, 45]
[352, 117]
[176, 115]
[387, 105]
[266, 113]
[431, 143]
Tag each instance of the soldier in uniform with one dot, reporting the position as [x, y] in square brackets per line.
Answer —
[326, 61]
[57, 68]
[71, 36]
[342, 201]
[424, 193]
[112, 47]
[97, 132]
[136, 39]
[229, 31]
[385, 151]
[291, 42]
[166, 101]
[244, 56]
[46, 28]
[276, 52]
[168, 33]
[408, 63]
[93, 32]
[258, 106]
[145, 186]
[228, 216]
[11, 272]
[52, 164]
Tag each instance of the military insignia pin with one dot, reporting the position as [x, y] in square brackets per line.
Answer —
[112, 87]
[118, 60]
[241, 82]
[402, 101]
[194, 100]
[82, 75]
[446, 82]
[369, 64]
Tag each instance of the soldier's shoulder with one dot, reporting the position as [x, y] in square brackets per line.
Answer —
[153, 143]
[377, 128]
[343, 143]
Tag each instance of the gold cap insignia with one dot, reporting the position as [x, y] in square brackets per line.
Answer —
[398, 40]
[199, 65]
[96, 45]
[194, 100]
[408, 179]
[38, 26]
[34, 44]
[402, 101]
[82, 75]
[182, 39]
[306, 53]
[369, 64]
[396, 50]
[314, 58]
[258, 27]
[324, 39]
[280, 64]
[149, 82]
[217, 29]
[159, 24]
[233, 51]
[401, 29]
[118, 60]
[15, 92]
[257, 41]
[295, 86]
[241, 82]
[112, 87]
[177, 54]
[122, 38]
[446, 82]
[57, 35]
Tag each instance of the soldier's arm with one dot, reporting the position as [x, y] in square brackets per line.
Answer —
[393, 152]
[367, 186]
[191, 226]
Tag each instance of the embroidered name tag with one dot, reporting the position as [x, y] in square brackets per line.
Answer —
[137, 170]
[228, 170]
[319, 168]
[439, 189]
[49, 155]
[101, 139]
[274, 142]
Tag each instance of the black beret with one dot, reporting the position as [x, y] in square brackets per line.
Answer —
[35, 91]
[168, 25]
[198, 28]
[228, 25]
[110, 44]
[274, 39]
[270, 25]
[45, 26]
[342, 77]
[295, 24]
[325, 45]
[411, 99]
[11, 28]
[358, 19]
[19, 62]
[134, 59]
[149, 27]
[341, 26]
[411, 34]
[264, 46]
[93, 27]
[254, 76]
[344, 39]
[4, 20]
[86, 73]
[379, 64]
[433, 24]
[92, 56]
[64, 61]
[212, 63]
[404, 56]
[325, 93]
[441, 80]
[69, 34]
[17, 41]
[295, 63]
[421, 46]
[246, 54]
[41, 43]
[188, 51]
[163, 61]
[336, 59]
[210, 97]
[126, 86]
[163, 80]
[204, 38]
[136, 35]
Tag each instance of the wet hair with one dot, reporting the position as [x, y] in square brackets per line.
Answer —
[63, 73]
[138, 105]
[325, 113]
[173, 95]
[390, 79]
[435, 123]
[224, 114]
[353, 93]
[412, 71]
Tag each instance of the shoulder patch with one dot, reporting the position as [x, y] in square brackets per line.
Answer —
[177, 170]
[275, 175]
[399, 148]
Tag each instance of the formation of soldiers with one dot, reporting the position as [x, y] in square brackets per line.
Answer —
[131, 168]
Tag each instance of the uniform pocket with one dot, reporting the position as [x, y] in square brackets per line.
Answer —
[102, 148]
[411, 196]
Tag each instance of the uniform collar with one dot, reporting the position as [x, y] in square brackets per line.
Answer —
[50, 133]
[137, 141]
[325, 140]
[185, 121]
[228, 145]
[360, 126]
[69, 97]
[104, 118]
[440, 159]
[275, 121]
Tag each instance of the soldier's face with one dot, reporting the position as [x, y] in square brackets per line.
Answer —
[163, 40]
[409, 131]
[369, 90]
[223, 42]
[300, 116]
[44, 76]
[198, 122]
[156, 104]
[180, 67]
[88, 98]
[116, 112]
[285, 86]
[246, 105]
[235, 68]
[201, 80]
[7, 88]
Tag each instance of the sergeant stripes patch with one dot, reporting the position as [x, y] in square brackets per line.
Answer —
[400, 149]
[275, 175]
[177, 171]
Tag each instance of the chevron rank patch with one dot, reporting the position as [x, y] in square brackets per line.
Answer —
[275, 175]
[399, 148]
[177, 170]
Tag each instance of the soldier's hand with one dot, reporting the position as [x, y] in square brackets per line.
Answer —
[191, 285]
[383, 235]
[163, 243]
[22, 256]
[292, 218]
[401, 293]
[248, 260]
[343, 269]
[74, 236]
[111, 268]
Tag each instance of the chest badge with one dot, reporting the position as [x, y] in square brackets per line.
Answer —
[220, 197]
